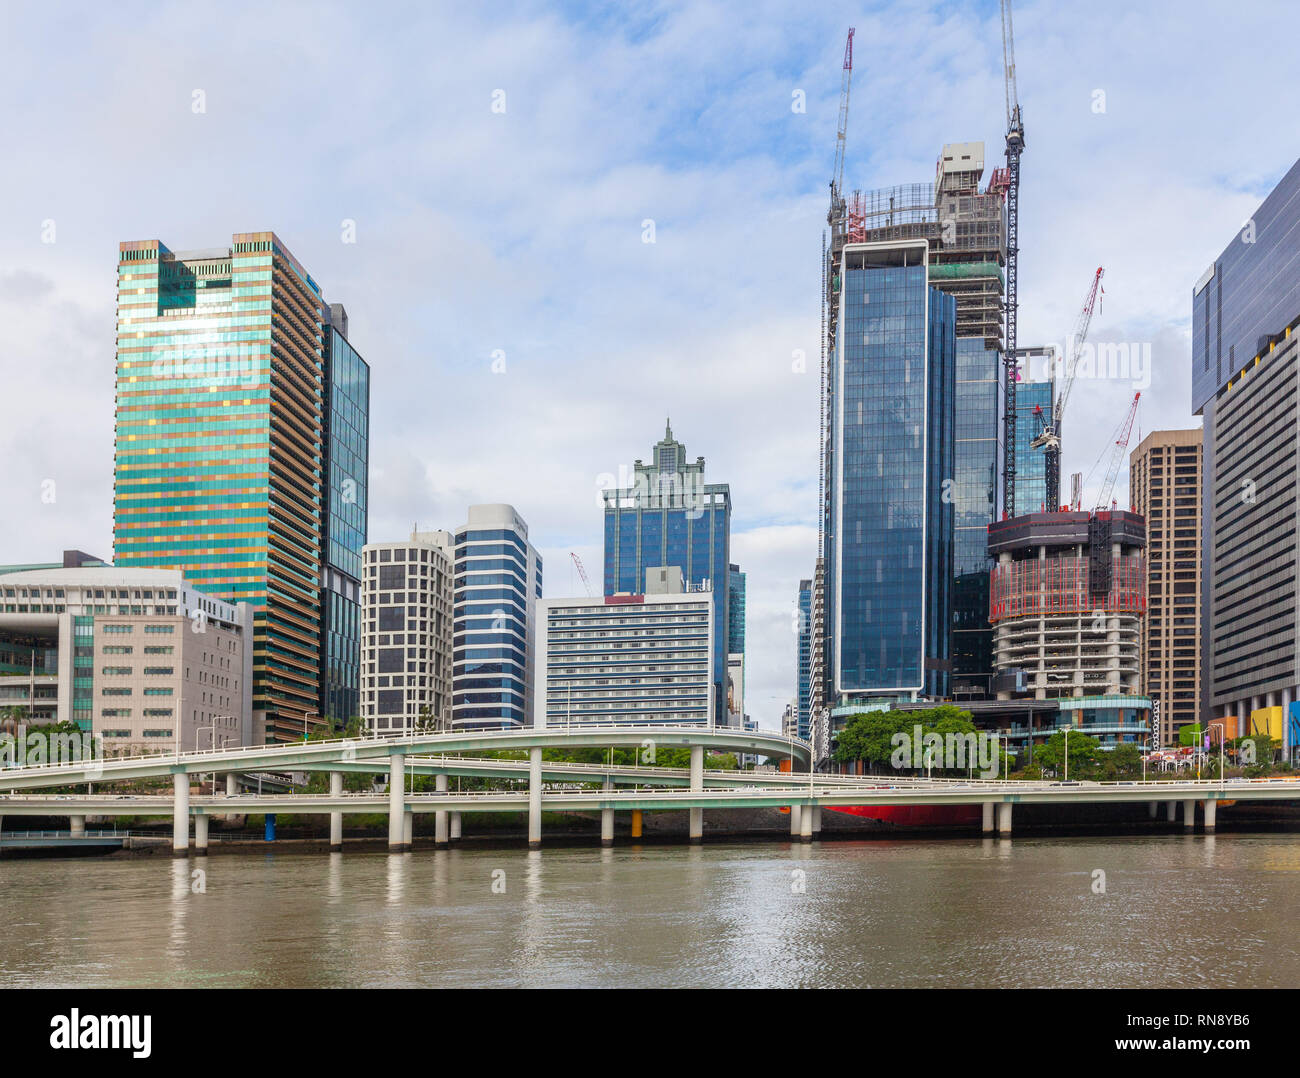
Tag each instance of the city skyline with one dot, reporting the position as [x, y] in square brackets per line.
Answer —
[719, 161]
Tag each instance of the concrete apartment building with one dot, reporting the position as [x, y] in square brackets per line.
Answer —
[138, 657]
[617, 660]
[1165, 478]
[1245, 385]
[406, 633]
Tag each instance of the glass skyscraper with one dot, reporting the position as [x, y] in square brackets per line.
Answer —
[1031, 463]
[671, 517]
[889, 537]
[497, 582]
[226, 419]
[736, 610]
[803, 686]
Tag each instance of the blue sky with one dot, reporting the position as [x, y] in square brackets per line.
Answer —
[522, 231]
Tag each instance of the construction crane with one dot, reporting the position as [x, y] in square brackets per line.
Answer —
[1015, 144]
[582, 573]
[1049, 429]
[836, 212]
[1122, 434]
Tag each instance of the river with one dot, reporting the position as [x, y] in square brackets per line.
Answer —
[1176, 910]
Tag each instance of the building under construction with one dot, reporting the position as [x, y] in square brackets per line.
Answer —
[1067, 597]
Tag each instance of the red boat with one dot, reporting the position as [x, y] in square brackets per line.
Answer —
[915, 815]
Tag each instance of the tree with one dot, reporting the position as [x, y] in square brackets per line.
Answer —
[1085, 755]
[1123, 761]
[871, 736]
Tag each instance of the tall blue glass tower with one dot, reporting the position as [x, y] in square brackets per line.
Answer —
[670, 516]
[1031, 463]
[889, 534]
[803, 687]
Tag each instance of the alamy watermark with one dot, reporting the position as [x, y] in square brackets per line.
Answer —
[918, 751]
[35, 749]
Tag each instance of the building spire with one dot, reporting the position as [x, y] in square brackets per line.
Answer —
[668, 429]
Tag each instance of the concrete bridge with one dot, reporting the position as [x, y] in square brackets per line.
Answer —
[693, 789]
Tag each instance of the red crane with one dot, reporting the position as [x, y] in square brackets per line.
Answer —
[582, 573]
[1122, 434]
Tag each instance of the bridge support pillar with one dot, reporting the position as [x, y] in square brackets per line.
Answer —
[697, 786]
[77, 826]
[454, 827]
[1153, 807]
[408, 829]
[440, 817]
[180, 815]
[1189, 814]
[201, 835]
[396, 788]
[607, 818]
[1209, 807]
[816, 819]
[796, 811]
[636, 823]
[232, 784]
[1004, 818]
[805, 823]
[986, 824]
[336, 818]
[534, 798]
[1171, 811]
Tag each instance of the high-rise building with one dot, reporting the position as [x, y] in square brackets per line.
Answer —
[804, 638]
[497, 582]
[1033, 399]
[965, 230]
[1165, 487]
[406, 614]
[1245, 382]
[620, 660]
[889, 529]
[224, 435]
[346, 441]
[671, 517]
[735, 610]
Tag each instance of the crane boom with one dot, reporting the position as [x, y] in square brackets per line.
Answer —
[583, 574]
[1049, 436]
[1122, 434]
[1015, 144]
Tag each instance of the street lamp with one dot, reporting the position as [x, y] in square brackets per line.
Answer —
[1222, 732]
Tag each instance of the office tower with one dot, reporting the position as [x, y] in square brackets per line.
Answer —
[406, 653]
[138, 657]
[497, 582]
[346, 441]
[671, 516]
[1068, 595]
[1245, 379]
[804, 638]
[735, 715]
[234, 387]
[889, 534]
[965, 230]
[1165, 487]
[735, 610]
[1034, 399]
[620, 660]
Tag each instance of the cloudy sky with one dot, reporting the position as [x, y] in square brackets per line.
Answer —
[504, 165]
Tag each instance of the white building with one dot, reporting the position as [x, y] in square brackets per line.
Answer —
[406, 633]
[618, 660]
[135, 656]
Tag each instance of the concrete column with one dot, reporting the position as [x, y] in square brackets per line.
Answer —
[77, 825]
[534, 798]
[607, 818]
[454, 827]
[805, 823]
[201, 835]
[1171, 811]
[232, 783]
[396, 783]
[986, 824]
[1004, 818]
[180, 815]
[636, 823]
[336, 818]
[1210, 807]
[1189, 813]
[1153, 807]
[795, 823]
[440, 817]
[697, 786]
[816, 819]
[408, 829]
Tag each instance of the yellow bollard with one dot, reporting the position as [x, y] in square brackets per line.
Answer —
[636, 823]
